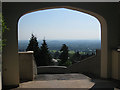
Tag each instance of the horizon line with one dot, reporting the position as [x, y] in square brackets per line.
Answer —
[63, 39]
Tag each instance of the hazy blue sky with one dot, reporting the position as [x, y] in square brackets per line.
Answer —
[58, 24]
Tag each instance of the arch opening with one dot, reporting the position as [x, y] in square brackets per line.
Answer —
[103, 35]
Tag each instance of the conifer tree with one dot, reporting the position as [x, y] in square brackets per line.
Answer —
[33, 46]
[45, 57]
[64, 54]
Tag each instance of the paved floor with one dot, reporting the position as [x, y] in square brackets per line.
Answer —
[73, 76]
[68, 81]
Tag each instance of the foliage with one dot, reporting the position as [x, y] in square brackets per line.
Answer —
[45, 57]
[76, 57]
[33, 46]
[68, 63]
[64, 54]
[41, 55]
[3, 28]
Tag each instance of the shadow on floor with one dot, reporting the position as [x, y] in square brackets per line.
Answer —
[105, 84]
[8, 87]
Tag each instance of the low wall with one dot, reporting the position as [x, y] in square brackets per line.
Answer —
[90, 66]
[27, 67]
[52, 69]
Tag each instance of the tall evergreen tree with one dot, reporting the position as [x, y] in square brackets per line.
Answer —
[64, 54]
[33, 46]
[45, 57]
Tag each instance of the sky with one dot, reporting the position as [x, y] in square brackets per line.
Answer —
[59, 24]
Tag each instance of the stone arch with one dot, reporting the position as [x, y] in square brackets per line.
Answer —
[103, 23]
[106, 13]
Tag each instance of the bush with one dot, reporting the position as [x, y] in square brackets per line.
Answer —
[67, 63]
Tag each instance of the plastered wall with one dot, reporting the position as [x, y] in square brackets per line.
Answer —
[26, 66]
[88, 66]
[107, 13]
[115, 65]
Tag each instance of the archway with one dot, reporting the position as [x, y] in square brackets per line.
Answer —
[102, 21]
[98, 10]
